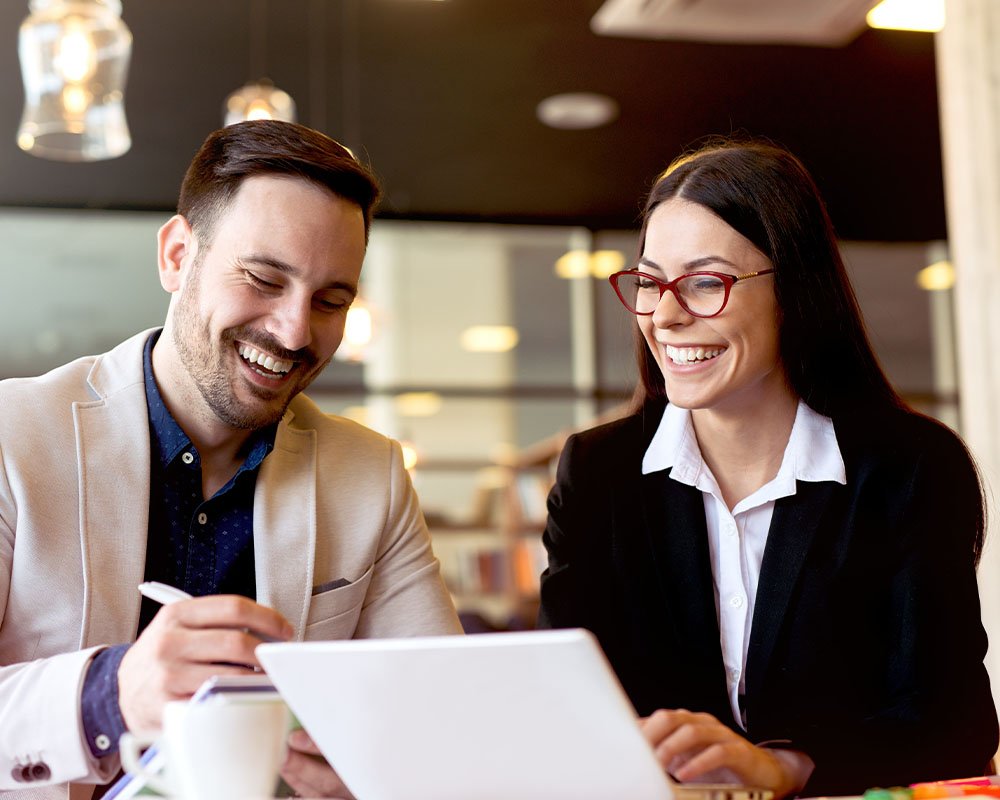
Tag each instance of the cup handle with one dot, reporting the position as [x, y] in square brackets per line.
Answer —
[130, 748]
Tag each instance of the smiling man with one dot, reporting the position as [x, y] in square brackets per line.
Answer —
[188, 455]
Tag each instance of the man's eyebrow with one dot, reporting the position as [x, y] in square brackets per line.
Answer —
[290, 269]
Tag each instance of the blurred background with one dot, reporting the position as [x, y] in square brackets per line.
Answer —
[515, 140]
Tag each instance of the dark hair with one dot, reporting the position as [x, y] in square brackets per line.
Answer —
[765, 194]
[269, 147]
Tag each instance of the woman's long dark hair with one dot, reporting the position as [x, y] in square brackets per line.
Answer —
[765, 193]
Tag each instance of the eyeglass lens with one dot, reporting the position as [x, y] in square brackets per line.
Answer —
[699, 294]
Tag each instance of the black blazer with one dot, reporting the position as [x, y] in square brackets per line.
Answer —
[866, 648]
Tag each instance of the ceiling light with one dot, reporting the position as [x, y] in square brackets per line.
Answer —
[489, 338]
[74, 57]
[908, 15]
[259, 100]
[577, 110]
[574, 264]
[418, 404]
[358, 331]
[937, 277]
[409, 455]
[582, 263]
[604, 263]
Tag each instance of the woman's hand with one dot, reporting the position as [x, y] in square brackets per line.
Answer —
[307, 772]
[692, 745]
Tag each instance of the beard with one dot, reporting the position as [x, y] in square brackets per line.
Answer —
[206, 361]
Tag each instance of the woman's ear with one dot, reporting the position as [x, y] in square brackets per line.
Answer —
[176, 247]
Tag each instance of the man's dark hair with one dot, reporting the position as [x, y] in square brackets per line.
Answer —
[269, 147]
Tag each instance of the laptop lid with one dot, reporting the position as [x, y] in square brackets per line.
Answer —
[508, 716]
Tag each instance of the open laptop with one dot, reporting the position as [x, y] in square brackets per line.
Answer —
[507, 716]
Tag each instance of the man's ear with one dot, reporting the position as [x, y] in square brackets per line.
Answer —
[176, 247]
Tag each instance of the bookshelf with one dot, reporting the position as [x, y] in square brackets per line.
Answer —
[492, 557]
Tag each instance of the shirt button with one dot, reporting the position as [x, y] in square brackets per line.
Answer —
[202, 518]
[736, 601]
[731, 528]
[187, 458]
[103, 741]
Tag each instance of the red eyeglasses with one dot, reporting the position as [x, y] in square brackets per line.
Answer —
[701, 294]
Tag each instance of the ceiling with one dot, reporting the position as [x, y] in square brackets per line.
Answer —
[441, 97]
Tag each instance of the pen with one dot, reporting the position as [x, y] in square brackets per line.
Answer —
[165, 594]
[162, 593]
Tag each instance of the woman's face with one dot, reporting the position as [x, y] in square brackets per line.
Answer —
[727, 363]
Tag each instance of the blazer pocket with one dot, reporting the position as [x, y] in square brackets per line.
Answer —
[334, 614]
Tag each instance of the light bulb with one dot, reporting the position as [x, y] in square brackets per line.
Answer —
[75, 57]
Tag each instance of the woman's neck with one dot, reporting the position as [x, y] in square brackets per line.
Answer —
[744, 449]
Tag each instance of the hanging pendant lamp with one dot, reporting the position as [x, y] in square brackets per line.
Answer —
[74, 58]
[259, 99]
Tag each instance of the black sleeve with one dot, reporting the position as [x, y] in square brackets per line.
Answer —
[937, 719]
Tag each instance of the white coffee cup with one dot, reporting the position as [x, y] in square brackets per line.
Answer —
[214, 750]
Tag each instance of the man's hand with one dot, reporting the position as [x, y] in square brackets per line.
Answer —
[693, 745]
[308, 773]
[186, 643]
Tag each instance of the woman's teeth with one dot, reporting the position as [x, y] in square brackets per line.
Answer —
[264, 360]
[688, 355]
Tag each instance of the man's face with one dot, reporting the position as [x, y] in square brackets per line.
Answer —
[261, 309]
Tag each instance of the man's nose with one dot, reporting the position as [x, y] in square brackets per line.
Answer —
[291, 323]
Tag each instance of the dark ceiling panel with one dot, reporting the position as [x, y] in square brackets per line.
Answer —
[441, 96]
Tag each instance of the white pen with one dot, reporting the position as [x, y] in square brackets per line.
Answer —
[165, 594]
[162, 592]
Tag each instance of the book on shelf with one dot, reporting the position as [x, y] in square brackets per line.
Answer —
[530, 559]
[532, 489]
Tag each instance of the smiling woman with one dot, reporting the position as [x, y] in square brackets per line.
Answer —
[759, 546]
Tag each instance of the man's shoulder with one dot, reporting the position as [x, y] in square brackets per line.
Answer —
[332, 429]
[80, 376]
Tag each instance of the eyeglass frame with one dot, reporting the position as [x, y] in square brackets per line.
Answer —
[728, 281]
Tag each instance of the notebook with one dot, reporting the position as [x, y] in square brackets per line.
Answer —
[528, 716]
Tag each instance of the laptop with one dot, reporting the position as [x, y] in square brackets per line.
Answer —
[499, 716]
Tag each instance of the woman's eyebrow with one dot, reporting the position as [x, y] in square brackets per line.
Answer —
[697, 263]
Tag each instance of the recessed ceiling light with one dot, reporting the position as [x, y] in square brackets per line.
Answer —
[489, 338]
[577, 110]
[908, 15]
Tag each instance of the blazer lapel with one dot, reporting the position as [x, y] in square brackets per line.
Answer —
[284, 524]
[793, 528]
[114, 512]
[678, 538]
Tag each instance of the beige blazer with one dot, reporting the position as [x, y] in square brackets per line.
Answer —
[332, 501]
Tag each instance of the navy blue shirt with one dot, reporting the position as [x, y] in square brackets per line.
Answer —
[201, 546]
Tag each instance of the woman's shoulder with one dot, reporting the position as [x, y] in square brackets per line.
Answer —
[619, 437]
[896, 434]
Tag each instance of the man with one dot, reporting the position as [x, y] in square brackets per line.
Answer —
[189, 456]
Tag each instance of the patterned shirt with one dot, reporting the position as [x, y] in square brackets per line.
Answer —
[201, 546]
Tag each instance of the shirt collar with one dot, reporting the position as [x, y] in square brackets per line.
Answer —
[168, 439]
[812, 453]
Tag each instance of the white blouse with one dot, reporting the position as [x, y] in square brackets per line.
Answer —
[736, 540]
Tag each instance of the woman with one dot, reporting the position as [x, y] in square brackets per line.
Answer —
[780, 561]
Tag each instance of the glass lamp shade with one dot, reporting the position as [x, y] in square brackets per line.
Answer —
[74, 58]
[259, 100]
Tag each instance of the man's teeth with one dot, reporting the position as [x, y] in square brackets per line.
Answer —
[687, 355]
[264, 360]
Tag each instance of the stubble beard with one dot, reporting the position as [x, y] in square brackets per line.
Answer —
[206, 363]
